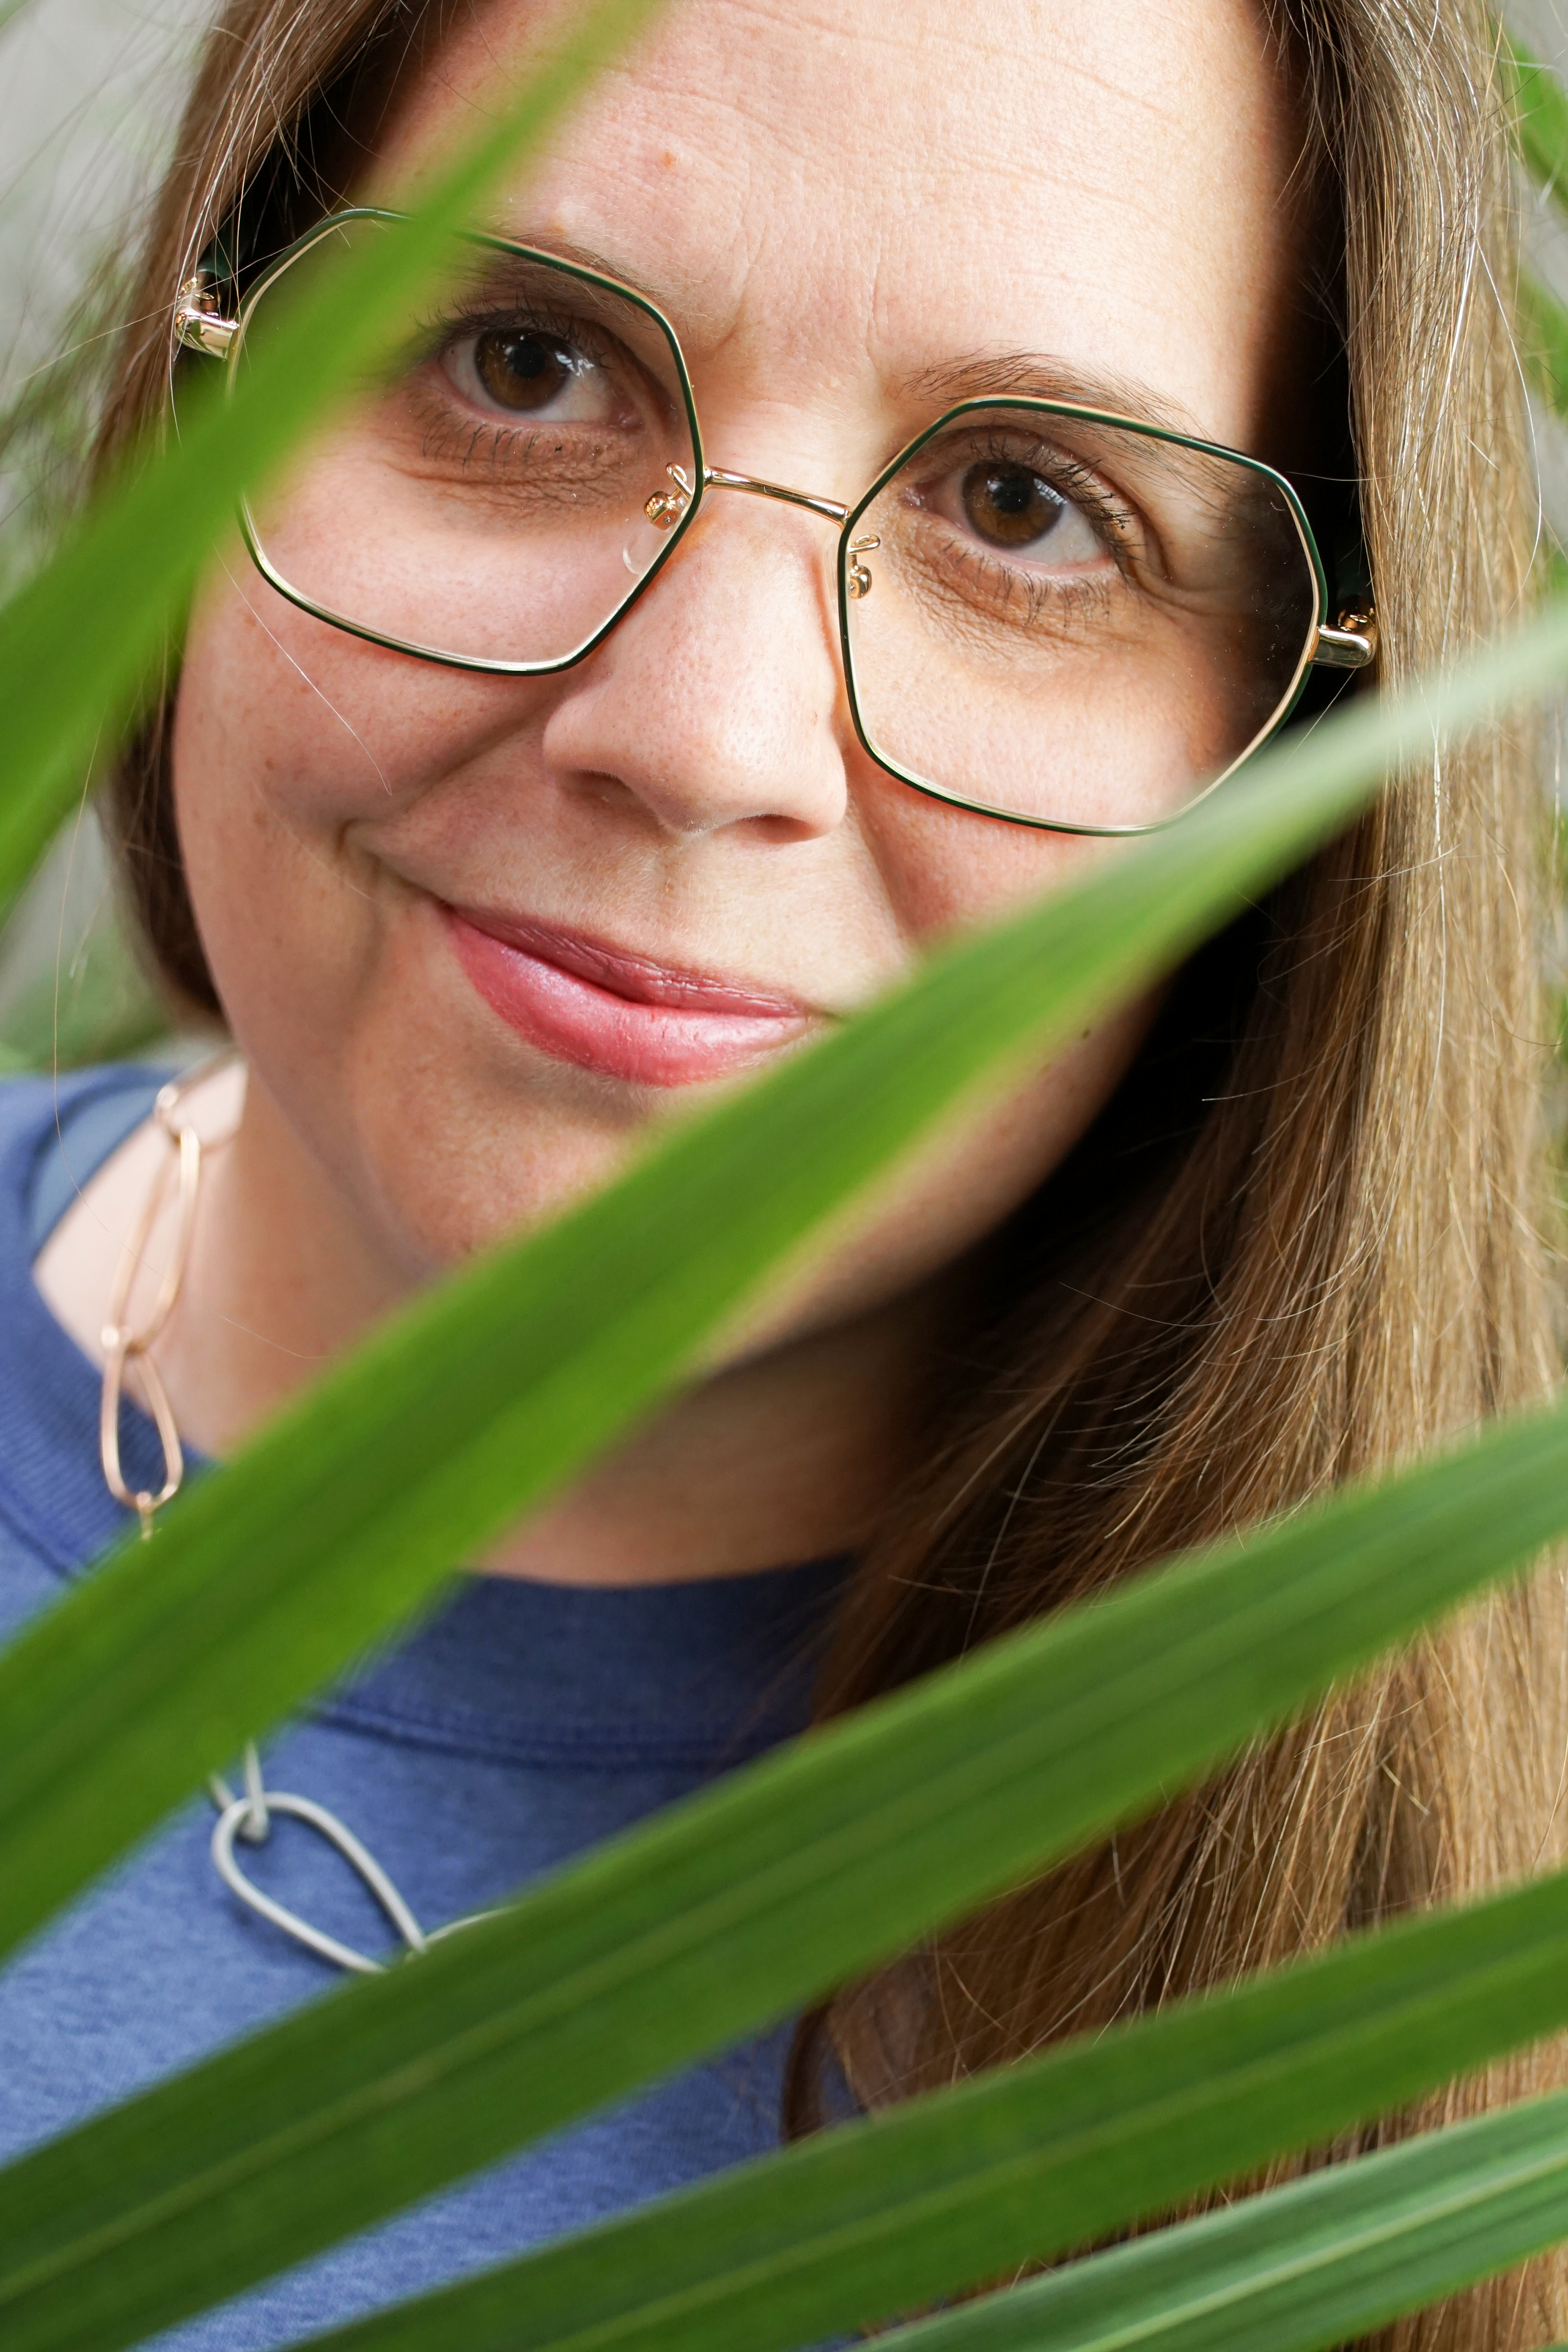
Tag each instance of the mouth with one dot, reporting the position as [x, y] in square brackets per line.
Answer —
[622, 1015]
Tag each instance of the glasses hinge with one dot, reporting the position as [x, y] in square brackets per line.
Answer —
[197, 324]
[1352, 644]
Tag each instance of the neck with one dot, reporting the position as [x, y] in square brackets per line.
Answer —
[788, 1454]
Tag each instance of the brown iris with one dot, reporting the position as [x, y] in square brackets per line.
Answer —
[1009, 505]
[521, 371]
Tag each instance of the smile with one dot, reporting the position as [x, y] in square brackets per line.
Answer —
[619, 1014]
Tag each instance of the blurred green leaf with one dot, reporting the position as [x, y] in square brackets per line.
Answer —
[808, 1866]
[97, 1006]
[1543, 331]
[76, 642]
[477, 1401]
[274, 1573]
[948, 2192]
[1302, 2268]
[1542, 117]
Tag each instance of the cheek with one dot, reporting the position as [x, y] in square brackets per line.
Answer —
[271, 759]
[946, 869]
[261, 785]
[291, 739]
[316, 724]
[295, 745]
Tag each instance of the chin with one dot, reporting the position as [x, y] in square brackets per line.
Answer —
[458, 1159]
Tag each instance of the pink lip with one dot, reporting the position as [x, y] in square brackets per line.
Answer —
[620, 1015]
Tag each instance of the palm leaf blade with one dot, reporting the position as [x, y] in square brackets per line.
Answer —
[814, 1864]
[466, 1409]
[1305, 2267]
[1289, 2271]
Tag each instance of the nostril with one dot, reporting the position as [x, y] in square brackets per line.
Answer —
[717, 701]
[785, 831]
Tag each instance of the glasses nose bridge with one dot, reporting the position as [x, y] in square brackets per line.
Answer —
[714, 477]
[666, 508]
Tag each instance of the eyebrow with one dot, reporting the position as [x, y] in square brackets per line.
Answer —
[581, 257]
[1036, 375]
[1027, 375]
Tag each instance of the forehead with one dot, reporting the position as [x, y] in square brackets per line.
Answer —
[847, 197]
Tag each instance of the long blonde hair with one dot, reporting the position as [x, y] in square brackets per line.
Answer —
[1306, 1240]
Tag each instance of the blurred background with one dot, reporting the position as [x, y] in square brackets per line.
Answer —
[89, 100]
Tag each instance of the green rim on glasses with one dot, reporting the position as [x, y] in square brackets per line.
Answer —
[1048, 613]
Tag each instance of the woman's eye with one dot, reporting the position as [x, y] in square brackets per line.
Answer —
[523, 372]
[1011, 508]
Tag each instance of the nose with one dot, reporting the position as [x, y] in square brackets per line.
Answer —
[717, 702]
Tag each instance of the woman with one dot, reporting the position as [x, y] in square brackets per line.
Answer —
[514, 791]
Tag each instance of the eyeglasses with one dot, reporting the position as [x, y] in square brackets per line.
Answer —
[1048, 613]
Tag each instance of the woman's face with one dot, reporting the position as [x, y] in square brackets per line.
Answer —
[474, 934]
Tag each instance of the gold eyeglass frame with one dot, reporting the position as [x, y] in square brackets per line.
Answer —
[1350, 643]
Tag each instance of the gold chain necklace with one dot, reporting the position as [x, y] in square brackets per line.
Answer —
[247, 1816]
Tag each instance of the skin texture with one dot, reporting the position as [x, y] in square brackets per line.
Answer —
[834, 206]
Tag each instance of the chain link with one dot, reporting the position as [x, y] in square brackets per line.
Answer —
[247, 1816]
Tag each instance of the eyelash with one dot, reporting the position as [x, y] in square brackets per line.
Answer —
[439, 332]
[1070, 479]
